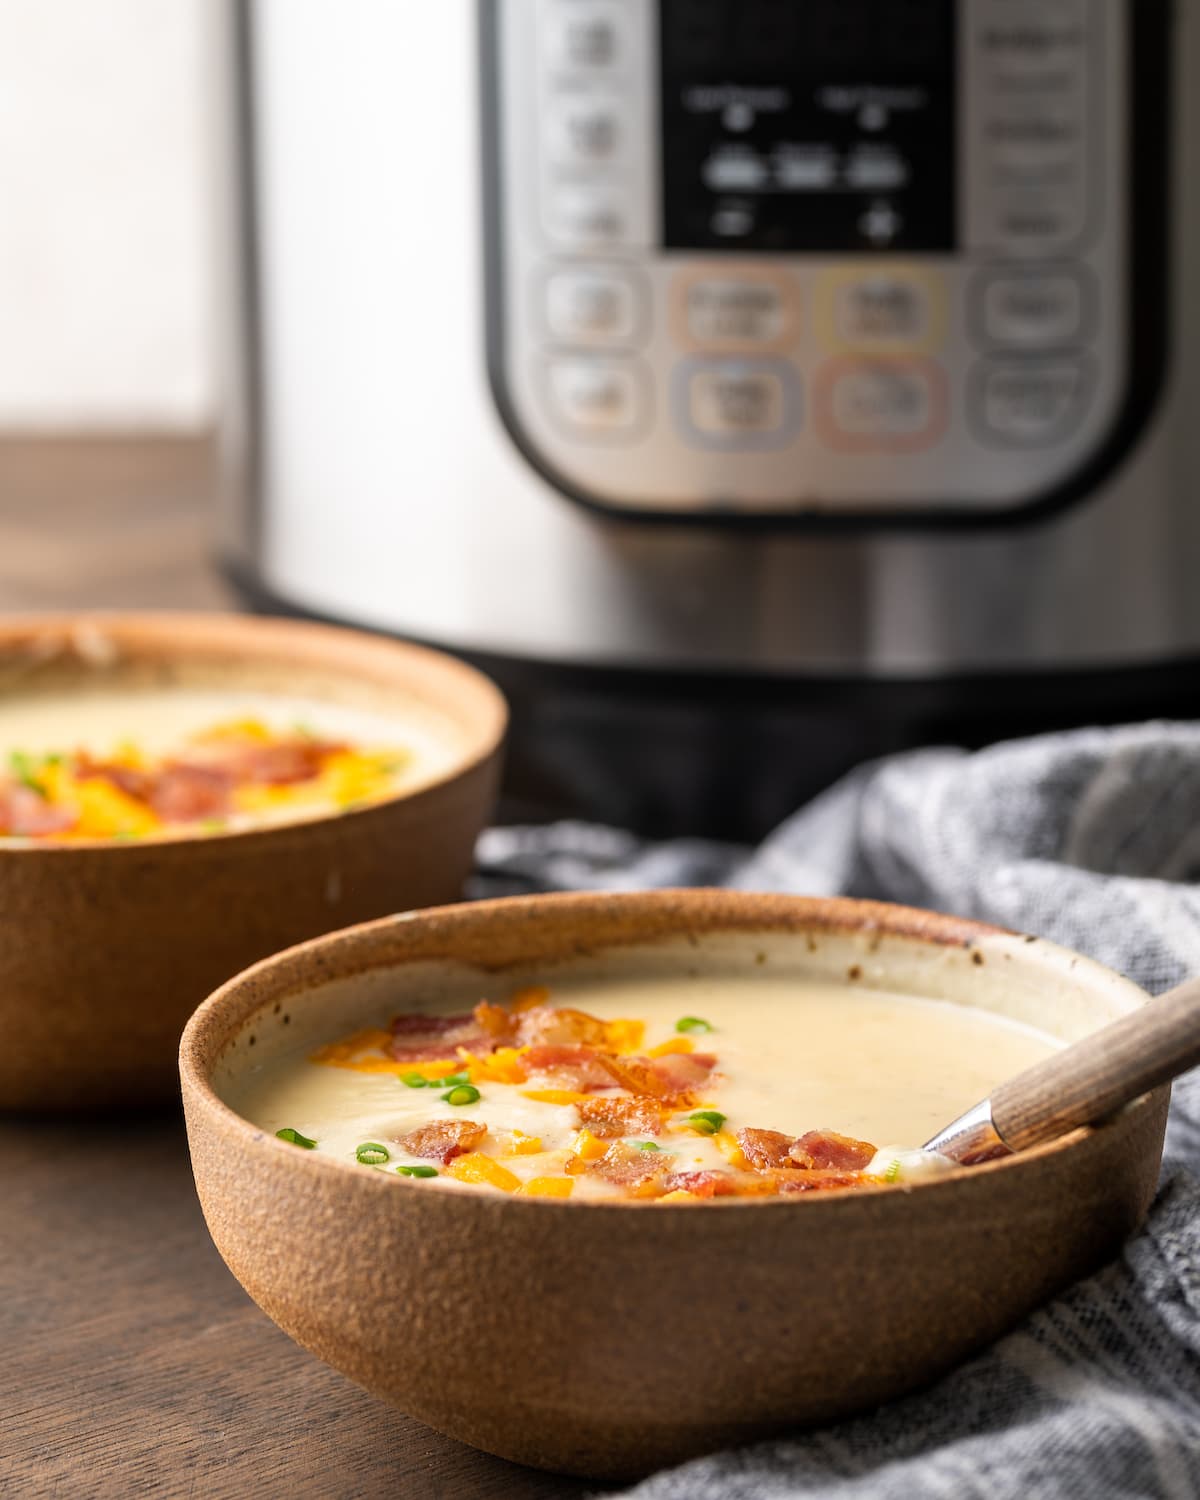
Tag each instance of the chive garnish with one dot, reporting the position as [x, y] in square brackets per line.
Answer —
[464, 1093]
[417, 1171]
[295, 1138]
[893, 1172]
[706, 1121]
[648, 1146]
[25, 768]
[371, 1153]
[693, 1024]
[415, 1080]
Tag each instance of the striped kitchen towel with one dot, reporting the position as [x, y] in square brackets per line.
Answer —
[1091, 839]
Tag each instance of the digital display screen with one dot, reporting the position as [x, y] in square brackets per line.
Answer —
[818, 125]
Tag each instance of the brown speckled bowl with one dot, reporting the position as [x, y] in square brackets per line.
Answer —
[608, 1339]
[107, 947]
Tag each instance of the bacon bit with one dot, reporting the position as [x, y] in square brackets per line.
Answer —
[576, 1067]
[639, 1172]
[547, 1187]
[417, 1038]
[671, 1079]
[818, 1180]
[702, 1184]
[825, 1148]
[477, 1167]
[283, 763]
[442, 1140]
[25, 814]
[544, 1025]
[186, 794]
[613, 1117]
[128, 779]
[765, 1149]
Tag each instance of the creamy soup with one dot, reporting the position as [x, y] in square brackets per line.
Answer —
[136, 764]
[673, 1089]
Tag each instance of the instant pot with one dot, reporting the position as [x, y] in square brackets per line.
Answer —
[752, 387]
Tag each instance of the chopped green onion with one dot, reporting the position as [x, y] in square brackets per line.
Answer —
[648, 1146]
[693, 1024]
[294, 1136]
[371, 1153]
[706, 1121]
[465, 1093]
[25, 768]
[305, 731]
[213, 825]
[417, 1171]
[415, 1080]
[893, 1172]
[450, 1080]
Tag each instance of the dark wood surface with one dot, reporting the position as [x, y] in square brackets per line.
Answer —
[131, 1362]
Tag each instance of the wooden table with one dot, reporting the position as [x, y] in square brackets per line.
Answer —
[131, 1362]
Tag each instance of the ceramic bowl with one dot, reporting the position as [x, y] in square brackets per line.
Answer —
[109, 946]
[608, 1339]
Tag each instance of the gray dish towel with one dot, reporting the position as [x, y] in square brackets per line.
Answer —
[1091, 839]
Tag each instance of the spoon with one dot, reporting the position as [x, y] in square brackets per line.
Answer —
[1083, 1084]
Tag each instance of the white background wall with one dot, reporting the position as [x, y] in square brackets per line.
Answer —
[105, 227]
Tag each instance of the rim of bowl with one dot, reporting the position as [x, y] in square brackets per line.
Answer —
[202, 635]
[716, 910]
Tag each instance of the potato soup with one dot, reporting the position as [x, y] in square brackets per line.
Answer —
[671, 1089]
[128, 763]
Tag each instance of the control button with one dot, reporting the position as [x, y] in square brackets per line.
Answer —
[893, 405]
[586, 213]
[582, 133]
[737, 403]
[582, 306]
[601, 398]
[1033, 311]
[582, 36]
[738, 307]
[735, 312]
[1029, 404]
[882, 311]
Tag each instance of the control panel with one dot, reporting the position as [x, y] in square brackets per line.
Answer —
[847, 257]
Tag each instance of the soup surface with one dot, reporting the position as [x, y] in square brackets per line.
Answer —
[673, 1089]
[135, 764]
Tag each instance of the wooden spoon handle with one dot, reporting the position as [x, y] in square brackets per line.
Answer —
[1087, 1082]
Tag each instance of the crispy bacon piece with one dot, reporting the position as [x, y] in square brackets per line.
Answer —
[816, 1181]
[701, 1184]
[545, 1025]
[282, 763]
[571, 1067]
[25, 814]
[765, 1149]
[419, 1038]
[672, 1079]
[443, 1140]
[640, 1173]
[136, 784]
[611, 1117]
[186, 794]
[827, 1149]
